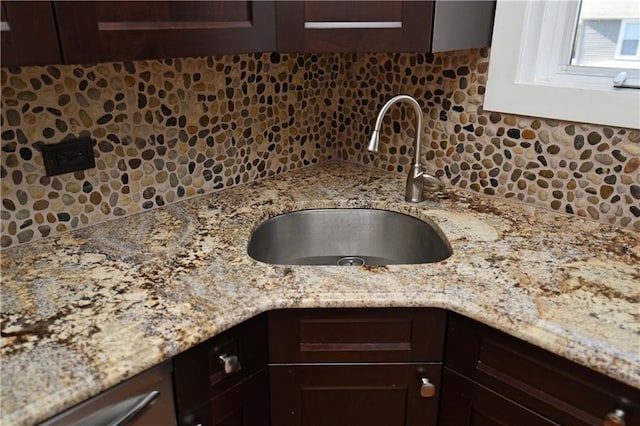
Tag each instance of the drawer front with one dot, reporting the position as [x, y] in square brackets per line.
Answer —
[354, 394]
[560, 390]
[200, 373]
[356, 335]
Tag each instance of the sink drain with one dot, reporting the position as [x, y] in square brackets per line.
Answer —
[351, 261]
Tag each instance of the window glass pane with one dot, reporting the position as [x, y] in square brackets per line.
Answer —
[629, 47]
[607, 34]
[632, 31]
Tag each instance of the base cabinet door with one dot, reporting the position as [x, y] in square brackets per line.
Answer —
[225, 380]
[354, 394]
[464, 402]
[246, 404]
[555, 388]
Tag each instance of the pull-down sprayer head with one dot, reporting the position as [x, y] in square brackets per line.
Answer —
[374, 142]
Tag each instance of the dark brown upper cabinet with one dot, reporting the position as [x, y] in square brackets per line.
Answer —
[383, 26]
[101, 31]
[28, 34]
[354, 26]
[116, 30]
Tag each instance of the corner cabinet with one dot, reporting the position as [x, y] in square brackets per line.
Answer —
[28, 32]
[349, 367]
[115, 30]
[224, 381]
[383, 26]
[491, 378]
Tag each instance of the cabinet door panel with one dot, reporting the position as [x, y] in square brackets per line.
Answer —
[353, 394]
[28, 34]
[199, 373]
[546, 383]
[354, 26]
[464, 402]
[115, 30]
[356, 335]
[246, 404]
[352, 11]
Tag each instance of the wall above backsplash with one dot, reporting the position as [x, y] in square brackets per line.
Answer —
[172, 129]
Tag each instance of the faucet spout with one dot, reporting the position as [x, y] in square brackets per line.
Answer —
[415, 179]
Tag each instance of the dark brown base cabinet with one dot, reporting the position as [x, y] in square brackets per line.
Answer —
[387, 367]
[353, 394]
[374, 367]
[224, 381]
[495, 379]
[468, 403]
[245, 404]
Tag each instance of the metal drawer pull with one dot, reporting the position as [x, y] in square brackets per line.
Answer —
[427, 389]
[139, 406]
[614, 419]
[314, 25]
[231, 363]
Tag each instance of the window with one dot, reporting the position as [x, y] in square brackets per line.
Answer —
[558, 59]
[628, 46]
[607, 34]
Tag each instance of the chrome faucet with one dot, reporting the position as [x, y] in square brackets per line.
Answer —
[418, 180]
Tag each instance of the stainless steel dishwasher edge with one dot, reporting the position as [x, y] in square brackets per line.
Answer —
[143, 400]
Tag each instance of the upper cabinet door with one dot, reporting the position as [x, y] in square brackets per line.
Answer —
[28, 34]
[126, 30]
[354, 26]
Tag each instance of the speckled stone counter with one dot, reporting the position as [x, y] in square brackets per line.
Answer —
[87, 310]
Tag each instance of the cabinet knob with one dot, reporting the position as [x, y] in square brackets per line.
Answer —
[427, 389]
[614, 419]
[231, 363]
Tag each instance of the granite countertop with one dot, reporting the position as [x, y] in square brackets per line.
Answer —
[89, 309]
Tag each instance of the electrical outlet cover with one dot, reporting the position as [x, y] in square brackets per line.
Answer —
[68, 156]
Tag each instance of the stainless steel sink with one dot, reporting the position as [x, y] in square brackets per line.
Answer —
[347, 237]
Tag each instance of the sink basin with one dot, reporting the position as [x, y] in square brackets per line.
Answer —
[346, 237]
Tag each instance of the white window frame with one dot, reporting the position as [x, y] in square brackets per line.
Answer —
[618, 55]
[527, 77]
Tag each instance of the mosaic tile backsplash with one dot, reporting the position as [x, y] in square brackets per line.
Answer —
[588, 170]
[164, 131]
[172, 129]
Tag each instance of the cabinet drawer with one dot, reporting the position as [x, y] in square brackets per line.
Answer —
[356, 335]
[200, 373]
[552, 386]
[353, 394]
